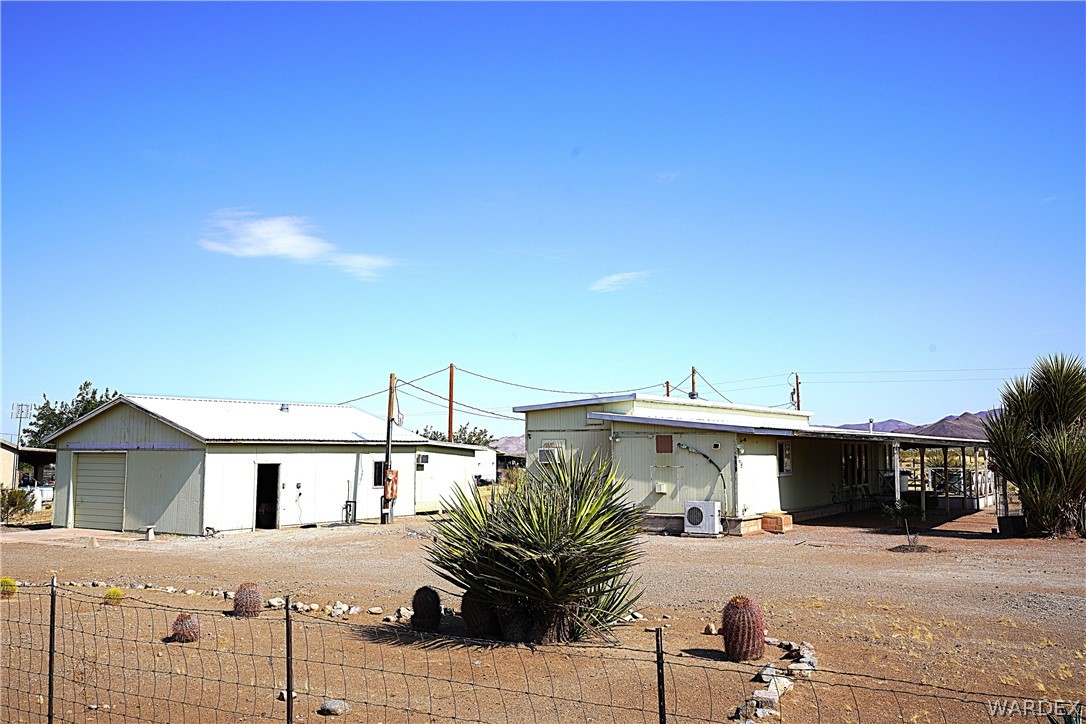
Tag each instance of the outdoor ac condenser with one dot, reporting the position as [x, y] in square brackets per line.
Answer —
[702, 517]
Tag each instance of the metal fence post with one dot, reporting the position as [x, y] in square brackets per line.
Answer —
[290, 668]
[52, 641]
[660, 674]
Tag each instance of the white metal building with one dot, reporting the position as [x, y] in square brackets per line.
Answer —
[184, 465]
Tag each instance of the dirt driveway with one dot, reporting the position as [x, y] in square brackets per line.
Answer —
[977, 612]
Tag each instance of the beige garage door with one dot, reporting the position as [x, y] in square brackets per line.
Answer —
[99, 491]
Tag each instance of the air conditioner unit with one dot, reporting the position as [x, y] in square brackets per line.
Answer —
[549, 455]
[702, 517]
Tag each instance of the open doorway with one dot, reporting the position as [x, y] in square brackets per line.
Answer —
[267, 495]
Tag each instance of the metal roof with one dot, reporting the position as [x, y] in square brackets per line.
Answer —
[219, 421]
[708, 405]
[691, 424]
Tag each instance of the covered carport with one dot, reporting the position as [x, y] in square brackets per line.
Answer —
[969, 484]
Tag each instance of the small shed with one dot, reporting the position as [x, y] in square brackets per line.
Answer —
[186, 465]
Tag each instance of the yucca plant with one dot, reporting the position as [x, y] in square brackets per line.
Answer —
[552, 557]
[1038, 442]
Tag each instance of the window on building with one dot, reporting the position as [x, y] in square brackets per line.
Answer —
[379, 474]
[664, 444]
[784, 458]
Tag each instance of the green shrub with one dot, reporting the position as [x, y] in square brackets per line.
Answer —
[552, 556]
[1038, 442]
[14, 503]
[113, 596]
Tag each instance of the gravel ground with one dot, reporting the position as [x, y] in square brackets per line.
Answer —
[977, 612]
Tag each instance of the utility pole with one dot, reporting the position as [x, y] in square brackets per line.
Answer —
[693, 383]
[386, 502]
[667, 388]
[19, 411]
[451, 371]
[795, 392]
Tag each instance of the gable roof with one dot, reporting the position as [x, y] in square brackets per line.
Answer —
[219, 421]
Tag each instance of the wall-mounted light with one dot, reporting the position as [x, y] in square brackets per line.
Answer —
[739, 449]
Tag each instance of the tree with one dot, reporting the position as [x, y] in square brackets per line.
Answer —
[1038, 442]
[468, 435]
[52, 416]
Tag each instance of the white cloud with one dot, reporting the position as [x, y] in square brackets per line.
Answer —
[615, 282]
[244, 234]
[667, 177]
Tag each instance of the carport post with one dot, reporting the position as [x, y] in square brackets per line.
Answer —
[946, 479]
[897, 471]
[923, 484]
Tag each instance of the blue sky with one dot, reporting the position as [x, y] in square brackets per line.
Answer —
[290, 201]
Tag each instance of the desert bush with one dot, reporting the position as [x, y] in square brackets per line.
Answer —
[900, 512]
[743, 629]
[113, 596]
[186, 628]
[8, 587]
[248, 601]
[1038, 442]
[14, 503]
[426, 605]
[552, 556]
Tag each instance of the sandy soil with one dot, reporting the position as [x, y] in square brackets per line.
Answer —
[976, 613]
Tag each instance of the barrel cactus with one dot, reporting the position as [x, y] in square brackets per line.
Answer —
[743, 629]
[479, 615]
[248, 601]
[8, 587]
[427, 607]
[113, 596]
[186, 628]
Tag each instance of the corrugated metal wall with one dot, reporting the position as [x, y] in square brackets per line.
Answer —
[694, 477]
[165, 490]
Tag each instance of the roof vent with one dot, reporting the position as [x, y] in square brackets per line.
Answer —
[284, 407]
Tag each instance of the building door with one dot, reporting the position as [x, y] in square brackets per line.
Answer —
[99, 490]
[267, 495]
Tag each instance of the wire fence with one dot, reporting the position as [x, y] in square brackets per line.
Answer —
[66, 656]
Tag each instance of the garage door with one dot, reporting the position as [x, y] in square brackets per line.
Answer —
[99, 491]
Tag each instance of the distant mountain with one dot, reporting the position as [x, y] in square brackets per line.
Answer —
[511, 445]
[966, 425]
[884, 426]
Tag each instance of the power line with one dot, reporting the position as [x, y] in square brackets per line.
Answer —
[398, 382]
[462, 404]
[557, 392]
[879, 382]
[900, 372]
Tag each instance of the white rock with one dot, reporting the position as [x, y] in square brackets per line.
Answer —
[711, 629]
[190, 592]
[354, 610]
[314, 607]
[376, 610]
[275, 602]
[389, 619]
[283, 695]
[768, 672]
[798, 669]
